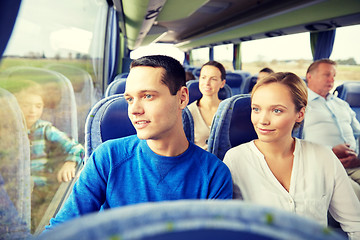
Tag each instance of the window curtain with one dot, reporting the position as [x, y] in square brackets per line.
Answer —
[8, 13]
[237, 63]
[322, 44]
[188, 59]
[211, 53]
[114, 35]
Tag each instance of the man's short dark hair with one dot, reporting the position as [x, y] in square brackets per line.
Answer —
[174, 76]
[266, 70]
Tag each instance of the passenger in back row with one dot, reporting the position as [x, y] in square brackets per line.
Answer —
[264, 72]
[211, 80]
[280, 171]
[159, 163]
[330, 120]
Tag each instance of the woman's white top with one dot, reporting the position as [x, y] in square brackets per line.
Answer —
[201, 129]
[318, 183]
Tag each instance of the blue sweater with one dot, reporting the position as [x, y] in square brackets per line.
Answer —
[126, 171]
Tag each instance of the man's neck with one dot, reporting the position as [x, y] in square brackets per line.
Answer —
[169, 148]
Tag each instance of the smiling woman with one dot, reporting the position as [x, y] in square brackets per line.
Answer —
[275, 169]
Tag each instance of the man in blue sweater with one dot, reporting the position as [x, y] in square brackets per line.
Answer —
[157, 164]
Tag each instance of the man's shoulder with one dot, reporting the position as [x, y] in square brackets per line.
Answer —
[119, 145]
[339, 100]
[206, 159]
[198, 151]
[117, 151]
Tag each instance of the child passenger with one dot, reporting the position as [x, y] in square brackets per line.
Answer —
[280, 171]
[211, 80]
[44, 137]
[54, 156]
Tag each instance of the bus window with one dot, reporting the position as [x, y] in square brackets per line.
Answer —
[200, 56]
[57, 47]
[224, 54]
[293, 53]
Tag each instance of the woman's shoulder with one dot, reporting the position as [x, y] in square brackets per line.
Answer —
[240, 150]
[243, 146]
[308, 145]
[192, 106]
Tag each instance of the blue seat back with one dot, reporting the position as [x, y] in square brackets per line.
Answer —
[189, 68]
[245, 74]
[116, 87]
[232, 125]
[122, 75]
[14, 158]
[234, 80]
[108, 119]
[196, 71]
[350, 92]
[195, 94]
[248, 84]
[192, 220]
[188, 124]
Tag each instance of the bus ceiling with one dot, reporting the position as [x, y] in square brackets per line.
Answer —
[200, 23]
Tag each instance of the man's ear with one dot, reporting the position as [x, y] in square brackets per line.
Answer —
[183, 97]
[308, 77]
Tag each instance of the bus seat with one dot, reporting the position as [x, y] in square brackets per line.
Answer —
[234, 80]
[192, 220]
[195, 94]
[245, 74]
[14, 156]
[60, 105]
[189, 68]
[248, 84]
[350, 92]
[82, 84]
[12, 226]
[188, 124]
[108, 119]
[121, 75]
[232, 125]
[116, 87]
[196, 72]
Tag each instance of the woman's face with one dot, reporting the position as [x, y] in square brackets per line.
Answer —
[273, 112]
[210, 80]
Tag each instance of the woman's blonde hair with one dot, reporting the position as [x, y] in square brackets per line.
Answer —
[296, 86]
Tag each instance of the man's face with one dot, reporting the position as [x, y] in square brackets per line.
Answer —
[321, 80]
[153, 111]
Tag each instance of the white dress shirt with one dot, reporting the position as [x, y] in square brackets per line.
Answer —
[330, 121]
[318, 183]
